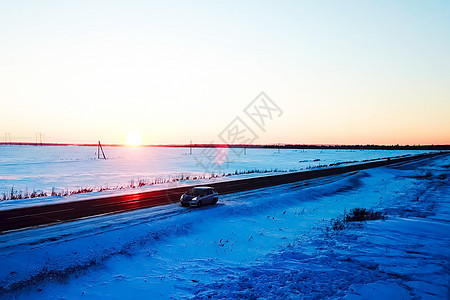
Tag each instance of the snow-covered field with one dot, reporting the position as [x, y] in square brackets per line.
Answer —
[269, 243]
[64, 169]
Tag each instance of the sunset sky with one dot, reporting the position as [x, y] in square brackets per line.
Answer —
[342, 72]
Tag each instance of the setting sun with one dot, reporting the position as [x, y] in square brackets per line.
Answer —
[133, 138]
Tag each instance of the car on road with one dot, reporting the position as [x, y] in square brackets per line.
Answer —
[199, 196]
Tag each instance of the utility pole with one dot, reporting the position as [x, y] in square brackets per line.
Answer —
[100, 148]
[8, 138]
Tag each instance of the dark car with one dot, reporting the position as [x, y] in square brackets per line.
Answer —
[199, 196]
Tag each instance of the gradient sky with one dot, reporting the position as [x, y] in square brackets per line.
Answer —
[343, 72]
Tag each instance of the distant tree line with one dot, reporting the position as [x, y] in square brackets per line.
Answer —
[264, 146]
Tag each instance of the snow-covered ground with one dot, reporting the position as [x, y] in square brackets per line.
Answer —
[61, 167]
[64, 169]
[268, 243]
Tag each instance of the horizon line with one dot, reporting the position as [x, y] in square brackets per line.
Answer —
[267, 146]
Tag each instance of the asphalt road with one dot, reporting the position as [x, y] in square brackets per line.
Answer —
[21, 218]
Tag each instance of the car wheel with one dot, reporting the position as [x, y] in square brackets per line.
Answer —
[199, 203]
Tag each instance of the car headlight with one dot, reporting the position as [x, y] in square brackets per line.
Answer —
[194, 199]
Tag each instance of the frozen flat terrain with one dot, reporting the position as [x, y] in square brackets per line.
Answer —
[268, 243]
[24, 169]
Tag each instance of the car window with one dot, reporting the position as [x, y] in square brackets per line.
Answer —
[194, 192]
